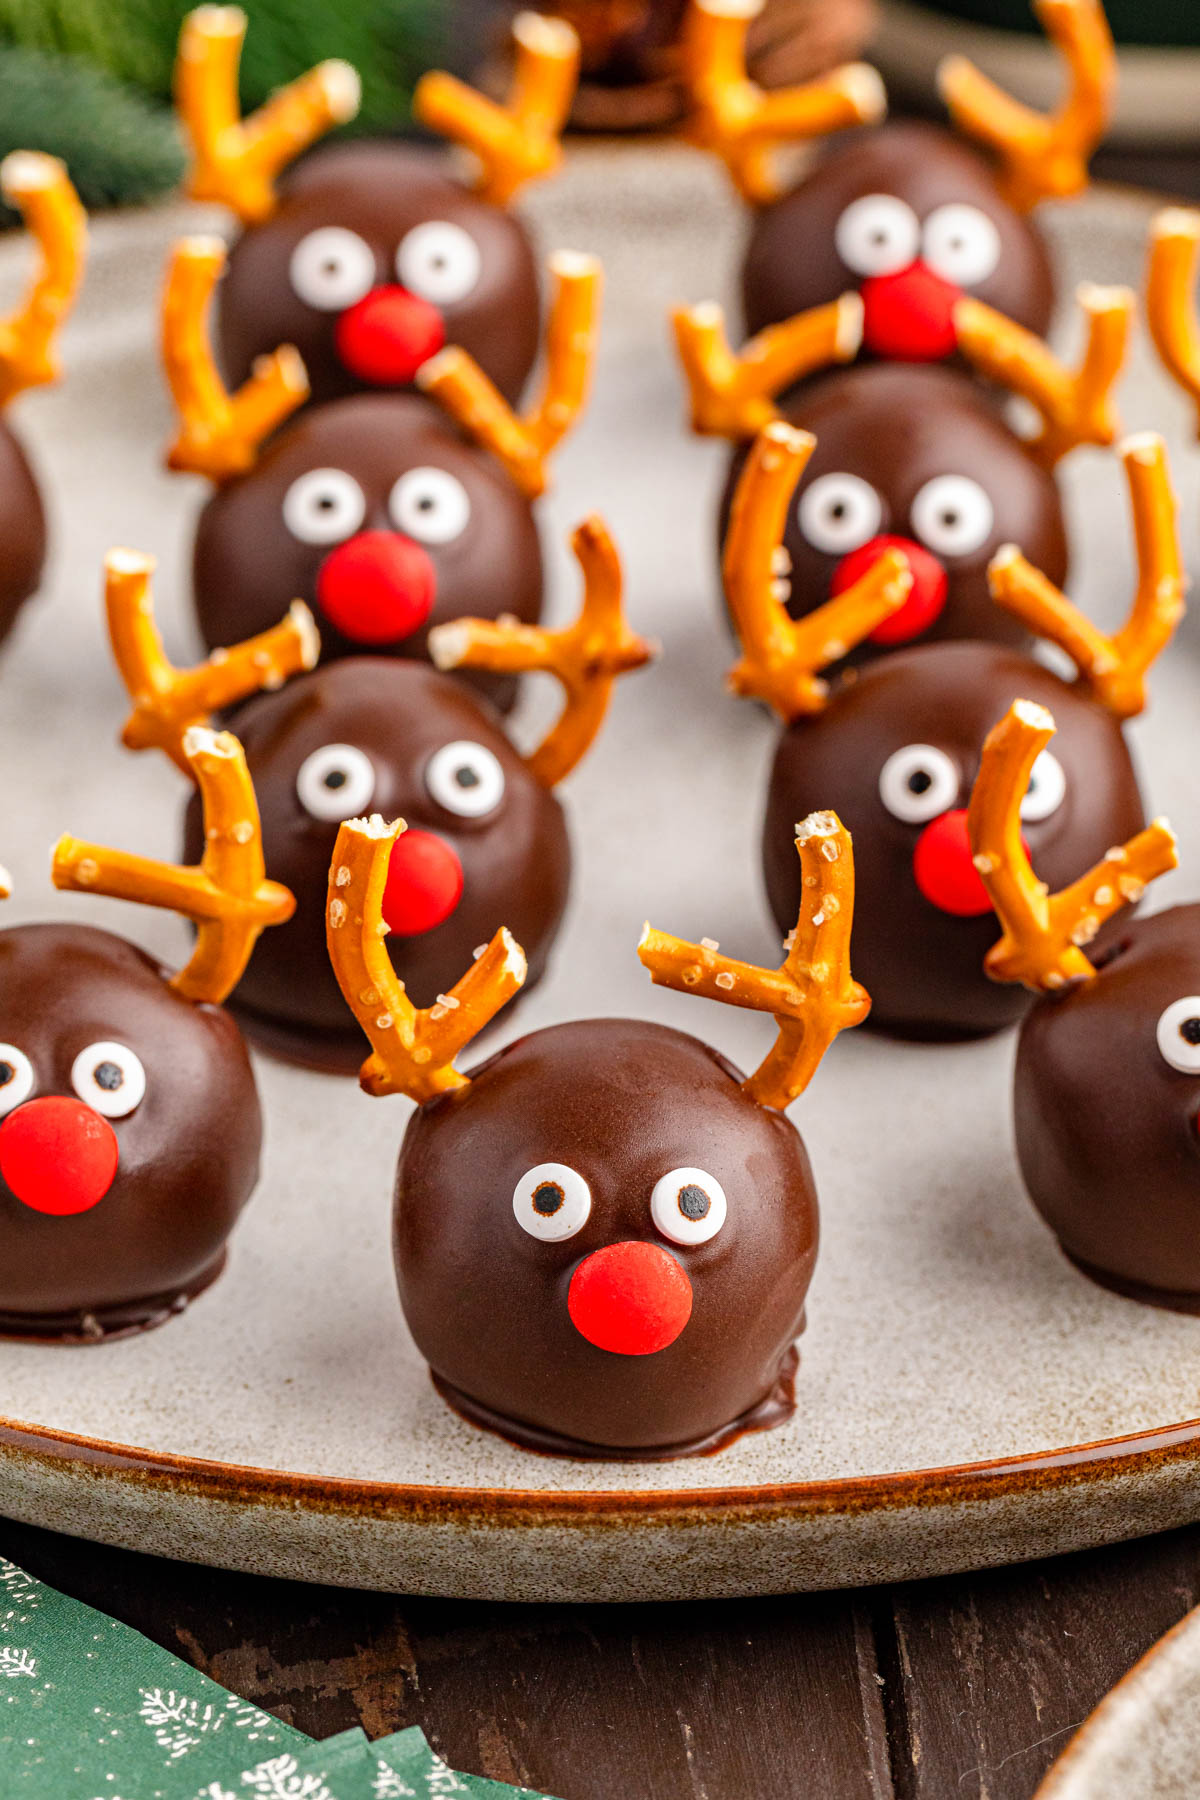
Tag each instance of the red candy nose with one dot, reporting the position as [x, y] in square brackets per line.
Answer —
[631, 1298]
[944, 870]
[57, 1155]
[927, 595]
[909, 316]
[376, 587]
[424, 884]
[387, 335]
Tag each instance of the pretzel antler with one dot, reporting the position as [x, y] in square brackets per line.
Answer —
[733, 392]
[167, 701]
[219, 433]
[781, 656]
[523, 443]
[226, 893]
[586, 657]
[1044, 933]
[744, 125]
[40, 189]
[1112, 668]
[235, 160]
[412, 1050]
[518, 142]
[813, 996]
[1075, 404]
[1042, 155]
[1170, 305]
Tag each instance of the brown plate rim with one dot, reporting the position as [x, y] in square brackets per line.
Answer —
[1106, 1459]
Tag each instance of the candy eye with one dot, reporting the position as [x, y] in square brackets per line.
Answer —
[688, 1206]
[960, 244]
[1178, 1034]
[877, 235]
[465, 778]
[336, 782]
[952, 515]
[918, 783]
[1047, 786]
[332, 268]
[552, 1201]
[438, 261]
[431, 505]
[839, 512]
[109, 1078]
[16, 1078]
[324, 506]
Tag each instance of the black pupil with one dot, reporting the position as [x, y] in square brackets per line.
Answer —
[107, 1075]
[547, 1199]
[694, 1203]
[838, 510]
[336, 779]
[920, 781]
[465, 776]
[950, 517]
[1189, 1031]
[7, 1073]
[426, 503]
[325, 502]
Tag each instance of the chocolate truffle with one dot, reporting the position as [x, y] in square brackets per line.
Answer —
[129, 1136]
[916, 460]
[22, 531]
[604, 1235]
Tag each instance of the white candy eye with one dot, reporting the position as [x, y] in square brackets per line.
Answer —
[110, 1078]
[1178, 1034]
[332, 268]
[1047, 786]
[336, 782]
[324, 506]
[688, 1206]
[552, 1201]
[960, 244]
[918, 783]
[16, 1078]
[431, 505]
[839, 512]
[877, 235]
[438, 261]
[952, 515]
[465, 778]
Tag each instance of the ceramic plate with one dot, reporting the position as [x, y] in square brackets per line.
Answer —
[964, 1396]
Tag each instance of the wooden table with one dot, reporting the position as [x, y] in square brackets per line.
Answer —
[953, 1689]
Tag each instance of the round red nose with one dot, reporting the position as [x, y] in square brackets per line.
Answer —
[944, 870]
[631, 1298]
[377, 587]
[57, 1155]
[386, 336]
[909, 316]
[926, 597]
[424, 883]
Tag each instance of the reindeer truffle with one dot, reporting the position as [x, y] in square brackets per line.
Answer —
[907, 217]
[129, 1118]
[897, 748]
[1107, 1089]
[375, 510]
[368, 256]
[39, 189]
[603, 1235]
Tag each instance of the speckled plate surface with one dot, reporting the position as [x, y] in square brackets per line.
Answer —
[964, 1396]
[1143, 1740]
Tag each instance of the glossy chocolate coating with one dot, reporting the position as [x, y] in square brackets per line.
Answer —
[380, 191]
[897, 427]
[248, 566]
[623, 1102]
[924, 967]
[515, 859]
[792, 261]
[22, 530]
[1106, 1129]
[188, 1152]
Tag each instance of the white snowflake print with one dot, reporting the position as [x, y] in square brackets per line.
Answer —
[21, 1589]
[280, 1779]
[443, 1780]
[387, 1785]
[179, 1723]
[17, 1662]
[214, 1791]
